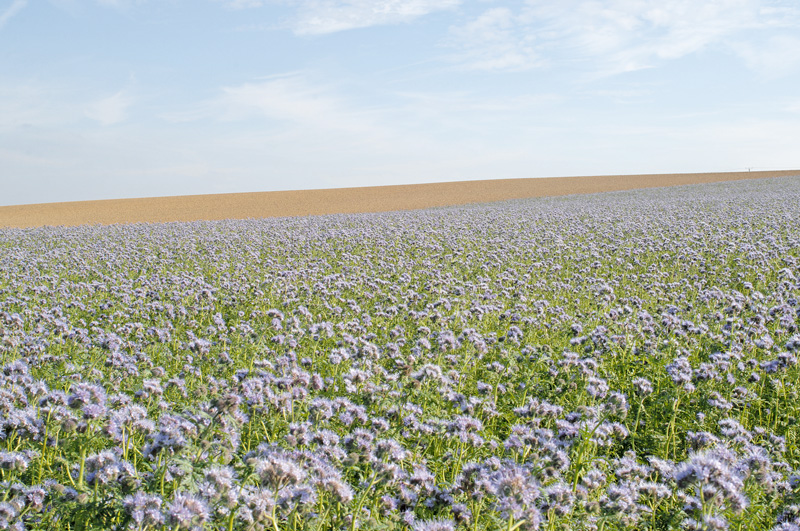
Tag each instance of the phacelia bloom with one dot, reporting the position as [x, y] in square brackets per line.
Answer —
[144, 509]
[187, 512]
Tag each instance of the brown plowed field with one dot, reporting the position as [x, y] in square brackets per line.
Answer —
[342, 200]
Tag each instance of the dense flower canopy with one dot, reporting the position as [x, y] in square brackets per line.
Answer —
[616, 361]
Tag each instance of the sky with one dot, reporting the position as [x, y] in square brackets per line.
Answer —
[105, 99]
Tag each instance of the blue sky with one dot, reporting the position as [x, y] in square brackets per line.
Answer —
[135, 98]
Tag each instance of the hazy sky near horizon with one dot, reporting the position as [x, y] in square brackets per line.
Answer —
[135, 98]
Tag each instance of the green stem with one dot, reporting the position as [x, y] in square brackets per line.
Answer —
[636, 423]
[324, 518]
[44, 448]
[361, 501]
[124, 444]
[83, 467]
[671, 430]
[513, 526]
[579, 461]
[275, 510]
[163, 475]
[476, 511]
[457, 468]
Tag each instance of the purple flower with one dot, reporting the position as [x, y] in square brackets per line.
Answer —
[144, 509]
[434, 525]
[643, 386]
[714, 476]
[187, 512]
[596, 387]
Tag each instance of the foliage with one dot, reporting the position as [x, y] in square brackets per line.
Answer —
[615, 361]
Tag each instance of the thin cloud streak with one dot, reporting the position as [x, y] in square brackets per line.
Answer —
[111, 110]
[241, 4]
[15, 7]
[317, 17]
[776, 57]
[287, 102]
[621, 36]
[496, 40]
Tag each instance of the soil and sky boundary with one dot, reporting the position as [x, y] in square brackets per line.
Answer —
[342, 200]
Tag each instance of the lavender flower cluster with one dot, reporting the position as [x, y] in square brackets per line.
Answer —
[616, 361]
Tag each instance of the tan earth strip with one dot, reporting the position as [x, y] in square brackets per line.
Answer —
[342, 200]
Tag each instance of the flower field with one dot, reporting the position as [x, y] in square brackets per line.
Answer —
[613, 361]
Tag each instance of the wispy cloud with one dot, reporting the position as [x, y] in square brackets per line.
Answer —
[110, 110]
[290, 102]
[496, 40]
[33, 104]
[118, 3]
[461, 108]
[241, 4]
[792, 107]
[774, 57]
[316, 17]
[15, 7]
[617, 36]
[297, 104]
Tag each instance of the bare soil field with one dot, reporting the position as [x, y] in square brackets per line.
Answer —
[342, 200]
